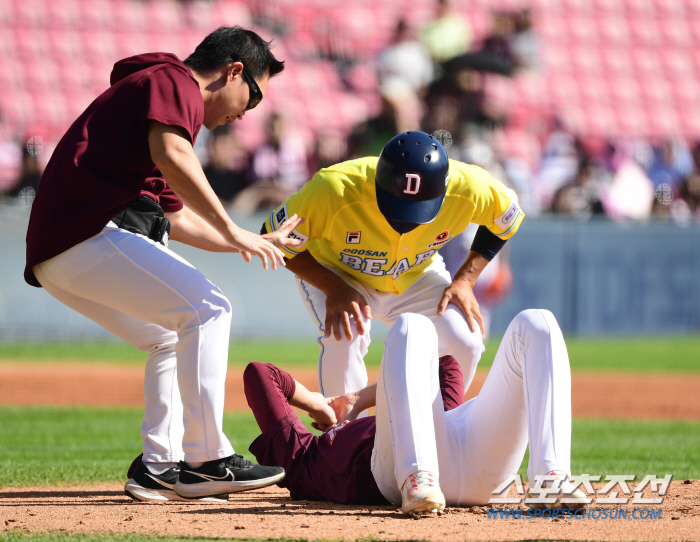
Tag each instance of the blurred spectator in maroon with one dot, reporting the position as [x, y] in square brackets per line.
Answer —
[498, 43]
[279, 168]
[330, 148]
[460, 92]
[524, 44]
[690, 192]
[369, 137]
[228, 164]
[582, 197]
[448, 35]
[405, 70]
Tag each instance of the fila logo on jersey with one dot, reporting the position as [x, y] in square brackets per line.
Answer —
[353, 237]
[441, 239]
[412, 184]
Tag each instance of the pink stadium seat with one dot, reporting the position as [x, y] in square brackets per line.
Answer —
[632, 120]
[613, 30]
[675, 32]
[130, 15]
[637, 8]
[582, 29]
[646, 61]
[64, 14]
[645, 32]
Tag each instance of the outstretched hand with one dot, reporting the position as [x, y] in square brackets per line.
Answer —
[281, 238]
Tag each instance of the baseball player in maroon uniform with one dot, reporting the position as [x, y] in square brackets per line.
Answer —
[425, 447]
[122, 179]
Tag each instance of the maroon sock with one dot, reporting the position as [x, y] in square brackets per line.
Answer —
[268, 390]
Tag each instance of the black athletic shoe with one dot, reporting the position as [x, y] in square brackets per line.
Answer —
[143, 485]
[227, 475]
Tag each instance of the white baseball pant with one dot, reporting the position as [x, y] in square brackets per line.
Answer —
[341, 365]
[477, 446]
[155, 300]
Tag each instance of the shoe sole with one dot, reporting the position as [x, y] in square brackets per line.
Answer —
[139, 493]
[425, 507]
[205, 489]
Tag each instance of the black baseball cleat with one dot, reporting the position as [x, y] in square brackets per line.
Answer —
[143, 485]
[226, 475]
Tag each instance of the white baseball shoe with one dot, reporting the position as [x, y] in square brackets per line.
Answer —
[421, 493]
[568, 496]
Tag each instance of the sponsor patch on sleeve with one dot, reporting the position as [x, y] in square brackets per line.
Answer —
[294, 234]
[507, 219]
[281, 216]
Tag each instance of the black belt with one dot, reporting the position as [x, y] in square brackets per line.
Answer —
[146, 217]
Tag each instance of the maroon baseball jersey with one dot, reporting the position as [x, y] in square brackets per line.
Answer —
[337, 465]
[103, 161]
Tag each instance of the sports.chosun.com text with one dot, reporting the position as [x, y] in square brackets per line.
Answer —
[572, 513]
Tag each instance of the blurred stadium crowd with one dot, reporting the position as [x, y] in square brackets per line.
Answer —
[585, 107]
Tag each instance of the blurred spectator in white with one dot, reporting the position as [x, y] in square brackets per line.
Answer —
[369, 137]
[30, 174]
[279, 168]
[630, 195]
[524, 43]
[558, 166]
[672, 163]
[405, 69]
[228, 164]
[10, 157]
[448, 35]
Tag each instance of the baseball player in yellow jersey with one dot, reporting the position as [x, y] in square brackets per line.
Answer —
[370, 250]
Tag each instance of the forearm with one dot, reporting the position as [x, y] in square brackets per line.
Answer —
[471, 269]
[366, 398]
[304, 399]
[189, 228]
[173, 155]
[306, 267]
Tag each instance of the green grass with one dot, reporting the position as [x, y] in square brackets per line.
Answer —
[676, 354]
[60, 445]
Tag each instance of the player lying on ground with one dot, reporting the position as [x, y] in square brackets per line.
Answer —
[369, 250]
[423, 437]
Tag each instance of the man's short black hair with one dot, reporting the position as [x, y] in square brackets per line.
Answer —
[230, 43]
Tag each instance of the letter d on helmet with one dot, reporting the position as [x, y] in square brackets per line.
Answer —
[411, 181]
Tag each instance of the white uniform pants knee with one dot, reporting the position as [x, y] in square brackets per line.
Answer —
[155, 300]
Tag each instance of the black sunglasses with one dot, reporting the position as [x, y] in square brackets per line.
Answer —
[256, 94]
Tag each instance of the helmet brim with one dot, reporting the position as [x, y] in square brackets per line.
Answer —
[408, 210]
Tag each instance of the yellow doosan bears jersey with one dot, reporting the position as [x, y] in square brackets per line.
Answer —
[345, 229]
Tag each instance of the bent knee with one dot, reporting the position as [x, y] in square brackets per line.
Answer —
[411, 323]
[536, 321]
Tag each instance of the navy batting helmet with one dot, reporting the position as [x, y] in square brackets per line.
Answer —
[411, 181]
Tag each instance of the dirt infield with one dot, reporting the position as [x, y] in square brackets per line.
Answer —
[600, 395]
[269, 513]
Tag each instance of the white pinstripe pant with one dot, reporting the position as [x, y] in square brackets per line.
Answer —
[155, 300]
